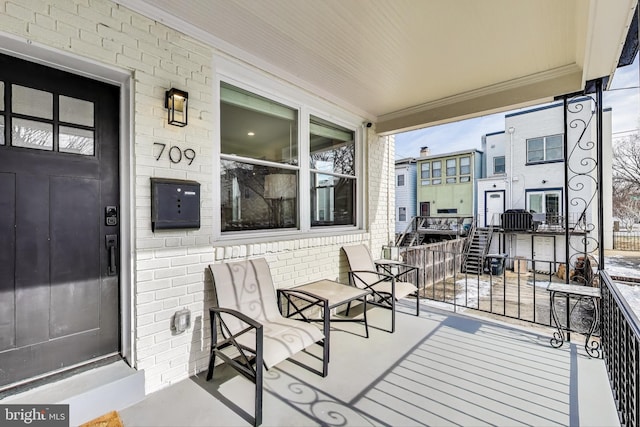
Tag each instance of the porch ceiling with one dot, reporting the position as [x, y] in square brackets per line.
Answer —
[408, 64]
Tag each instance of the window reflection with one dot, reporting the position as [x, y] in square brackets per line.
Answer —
[256, 197]
[32, 134]
[332, 199]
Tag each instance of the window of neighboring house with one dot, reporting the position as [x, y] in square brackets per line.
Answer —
[544, 149]
[447, 211]
[436, 172]
[425, 173]
[546, 202]
[400, 180]
[465, 169]
[498, 165]
[451, 180]
[260, 169]
[402, 214]
[451, 167]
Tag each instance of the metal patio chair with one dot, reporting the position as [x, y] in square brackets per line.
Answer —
[250, 323]
[386, 288]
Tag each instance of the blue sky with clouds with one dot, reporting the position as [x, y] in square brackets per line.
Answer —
[467, 134]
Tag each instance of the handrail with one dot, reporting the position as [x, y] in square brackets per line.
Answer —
[628, 313]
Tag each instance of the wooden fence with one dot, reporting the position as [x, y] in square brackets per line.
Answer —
[437, 261]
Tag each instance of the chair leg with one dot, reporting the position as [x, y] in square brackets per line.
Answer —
[214, 341]
[258, 379]
[393, 313]
[212, 364]
[417, 302]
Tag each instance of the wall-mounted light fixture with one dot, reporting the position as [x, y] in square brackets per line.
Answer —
[176, 102]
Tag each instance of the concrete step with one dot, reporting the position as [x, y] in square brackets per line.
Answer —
[89, 394]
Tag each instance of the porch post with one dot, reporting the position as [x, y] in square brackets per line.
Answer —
[566, 188]
[600, 175]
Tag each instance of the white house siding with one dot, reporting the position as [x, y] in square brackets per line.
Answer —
[406, 194]
[168, 268]
[520, 177]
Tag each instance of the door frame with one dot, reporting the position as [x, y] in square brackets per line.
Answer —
[69, 62]
[486, 197]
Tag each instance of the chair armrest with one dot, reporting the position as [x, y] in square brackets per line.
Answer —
[307, 297]
[251, 322]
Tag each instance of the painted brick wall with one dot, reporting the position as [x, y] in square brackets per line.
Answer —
[169, 267]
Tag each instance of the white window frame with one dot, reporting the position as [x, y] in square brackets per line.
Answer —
[545, 158]
[398, 183]
[504, 165]
[261, 84]
[402, 211]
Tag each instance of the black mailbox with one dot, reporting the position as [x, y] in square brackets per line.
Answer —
[175, 203]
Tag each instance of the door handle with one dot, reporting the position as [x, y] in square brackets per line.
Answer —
[111, 241]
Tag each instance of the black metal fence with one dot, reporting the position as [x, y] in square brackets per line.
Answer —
[621, 351]
[509, 287]
[626, 241]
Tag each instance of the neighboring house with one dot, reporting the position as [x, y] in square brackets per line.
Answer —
[526, 172]
[405, 193]
[446, 183]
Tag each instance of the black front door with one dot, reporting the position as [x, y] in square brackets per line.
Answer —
[59, 257]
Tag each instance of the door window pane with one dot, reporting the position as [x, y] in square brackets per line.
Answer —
[76, 111]
[1, 130]
[32, 134]
[1, 96]
[332, 200]
[31, 102]
[332, 148]
[256, 197]
[535, 203]
[77, 141]
[256, 127]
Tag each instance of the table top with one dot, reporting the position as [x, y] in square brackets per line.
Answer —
[581, 290]
[334, 292]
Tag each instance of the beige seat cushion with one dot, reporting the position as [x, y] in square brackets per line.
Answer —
[246, 286]
[402, 288]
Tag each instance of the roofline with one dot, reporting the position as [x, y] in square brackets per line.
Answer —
[453, 153]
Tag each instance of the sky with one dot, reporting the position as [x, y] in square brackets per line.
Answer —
[622, 96]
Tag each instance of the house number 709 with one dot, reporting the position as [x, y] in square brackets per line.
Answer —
[176, 154]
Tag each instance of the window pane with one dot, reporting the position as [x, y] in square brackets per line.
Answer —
[32, 134]
[465, 178]
[332, 148]
[436, 181]
[425, 171]
[451, 167]
[402, 214]
[498, 164]
[256, 127]
[77, 141]
[1, 130]
[400, 182]
[32, 102]
[535, 203]
[332, 200]
[465, 166]
[255, 197]
[1, 96]
[535, 150]
[437, 169]
[425, 182]
[76, 111]
[451, 180]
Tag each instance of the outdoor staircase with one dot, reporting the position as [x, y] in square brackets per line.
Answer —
[479, 243]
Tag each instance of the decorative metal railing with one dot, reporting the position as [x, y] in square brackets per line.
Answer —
[621, 351]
